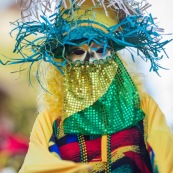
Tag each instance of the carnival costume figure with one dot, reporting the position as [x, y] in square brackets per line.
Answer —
[93, 114]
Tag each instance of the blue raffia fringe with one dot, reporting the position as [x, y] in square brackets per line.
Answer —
[52, 35]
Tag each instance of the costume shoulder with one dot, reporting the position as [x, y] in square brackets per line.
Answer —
[42, 128]
[39, 159]
[160, 137]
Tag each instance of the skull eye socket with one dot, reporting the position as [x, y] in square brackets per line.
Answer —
[100, 50]
[78, 51]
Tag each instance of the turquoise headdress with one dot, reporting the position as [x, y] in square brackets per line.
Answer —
[48, 27]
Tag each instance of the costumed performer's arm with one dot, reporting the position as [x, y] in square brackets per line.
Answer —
[39, 159]
[160, 137]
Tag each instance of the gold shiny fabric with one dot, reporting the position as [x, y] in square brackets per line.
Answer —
[85, 83]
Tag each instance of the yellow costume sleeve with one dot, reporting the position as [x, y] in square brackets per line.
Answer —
[39, 159]
[160, 137]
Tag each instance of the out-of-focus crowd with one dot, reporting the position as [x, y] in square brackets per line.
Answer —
[17, 105]
[13, 146]
[16, 120]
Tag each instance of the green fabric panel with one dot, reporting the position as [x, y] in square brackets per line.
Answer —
[116, 110]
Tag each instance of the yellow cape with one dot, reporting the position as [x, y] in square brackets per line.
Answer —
[40, 160]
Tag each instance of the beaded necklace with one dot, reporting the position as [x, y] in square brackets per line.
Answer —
[83, 152]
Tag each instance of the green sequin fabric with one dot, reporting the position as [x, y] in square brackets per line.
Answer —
[118, 108]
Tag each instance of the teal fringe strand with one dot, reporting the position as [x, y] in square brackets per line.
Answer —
[55, 33]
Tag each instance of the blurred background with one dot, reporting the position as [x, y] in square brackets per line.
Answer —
[18, 108]
[159, 87]
[17, 98]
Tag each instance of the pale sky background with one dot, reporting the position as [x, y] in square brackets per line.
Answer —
[161, 88]
[164, 11]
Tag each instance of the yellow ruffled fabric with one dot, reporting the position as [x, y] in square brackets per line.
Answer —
[159, 135]
[40, 160]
